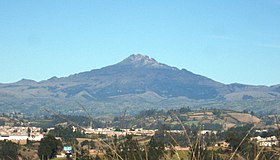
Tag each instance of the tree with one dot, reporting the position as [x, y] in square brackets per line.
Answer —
[130, 149]
[8, 150]
[90, 144]
[2, 122]
[85, 142]
[28, 131]
[217, 112]
[97, 158]
[49, 146]
[67, 134]
[155, 149]
[184, 109]
[156, 145]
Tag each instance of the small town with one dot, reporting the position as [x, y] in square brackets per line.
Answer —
[209, 129]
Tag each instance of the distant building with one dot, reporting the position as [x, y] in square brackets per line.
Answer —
[222, 144]
[9, 123]
[20, 135]
[21, 139]
[203, 132]
[266, 142]
[122, 132]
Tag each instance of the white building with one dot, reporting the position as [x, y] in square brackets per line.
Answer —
[21, 138]
[266, 142]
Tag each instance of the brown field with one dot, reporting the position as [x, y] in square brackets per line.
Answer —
[244, 117]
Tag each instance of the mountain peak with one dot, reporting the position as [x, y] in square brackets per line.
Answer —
[139, 60]
[26, 82]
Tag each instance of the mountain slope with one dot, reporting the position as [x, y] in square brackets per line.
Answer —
[138, 74]
[137, 80]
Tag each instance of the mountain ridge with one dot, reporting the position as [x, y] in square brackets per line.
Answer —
[139, 77]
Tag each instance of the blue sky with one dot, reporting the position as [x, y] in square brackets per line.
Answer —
[226, 40]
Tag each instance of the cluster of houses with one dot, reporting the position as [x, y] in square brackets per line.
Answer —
[120, 132]
[20, 135]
